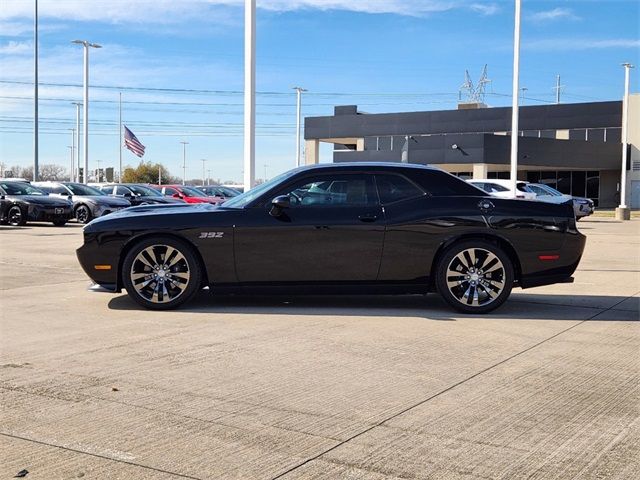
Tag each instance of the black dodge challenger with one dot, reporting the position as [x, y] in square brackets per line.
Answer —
[338, 228]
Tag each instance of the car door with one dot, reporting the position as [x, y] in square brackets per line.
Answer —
[332, 232]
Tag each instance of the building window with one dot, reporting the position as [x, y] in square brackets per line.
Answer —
[595, 134]
[547, 134]
[384, 143]
[463, 175]
[578, 134]
[613, 134]
[501, 175]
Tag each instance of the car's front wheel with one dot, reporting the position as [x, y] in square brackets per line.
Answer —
[16, 217]
[60, 222]
[161, 273]
[83, 214]
[475, 276]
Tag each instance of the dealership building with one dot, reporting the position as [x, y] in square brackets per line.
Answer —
[575, 148]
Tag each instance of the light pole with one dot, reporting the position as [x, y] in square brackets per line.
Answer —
[249, 94]
[209, 177]
[85, 104]
[184, 161]
[514, 98]
[204, 160]
[265, 172]
[77, 169]
[35, 92]
[120, 141]
[299, 91]
[73, 148]
[623, 212]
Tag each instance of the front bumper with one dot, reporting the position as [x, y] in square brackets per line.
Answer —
[40, 213]
[93, 257]
[100, 210]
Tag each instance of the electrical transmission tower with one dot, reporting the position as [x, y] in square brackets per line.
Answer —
[474, 94]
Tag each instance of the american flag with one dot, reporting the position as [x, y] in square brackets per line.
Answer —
[132, 143]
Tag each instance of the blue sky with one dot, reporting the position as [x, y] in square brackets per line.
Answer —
[383, 55]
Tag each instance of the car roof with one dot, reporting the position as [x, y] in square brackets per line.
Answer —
[500, 181]
[366, 166]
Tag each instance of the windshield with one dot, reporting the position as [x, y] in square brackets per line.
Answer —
[550, 190]
[79, 189]
[142, 190]
[242, 200]
[18, 188]
[192, 192]
[229, 192]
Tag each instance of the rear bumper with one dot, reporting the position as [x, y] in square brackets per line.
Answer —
[546, 272]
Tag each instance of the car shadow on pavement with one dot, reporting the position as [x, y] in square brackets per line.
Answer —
[431, 307]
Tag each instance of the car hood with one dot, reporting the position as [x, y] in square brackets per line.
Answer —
[41, 200]
[103, 200]
[133, 216]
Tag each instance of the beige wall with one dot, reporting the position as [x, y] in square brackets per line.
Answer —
[633, 136]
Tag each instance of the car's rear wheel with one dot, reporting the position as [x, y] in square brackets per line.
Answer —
[16, 217]
[161, 273]
[83, 214]
[475, 276]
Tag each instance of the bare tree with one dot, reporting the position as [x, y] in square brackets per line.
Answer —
[53, 172]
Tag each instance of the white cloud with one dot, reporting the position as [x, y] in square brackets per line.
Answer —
[172, 11]
[485, 8]
[16, 48]
[558, 13]
[581, 43]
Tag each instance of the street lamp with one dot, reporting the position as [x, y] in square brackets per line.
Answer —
[73, 148]
[514, 99]
[77, 168]
[299, 91]
[622, 212]
[184, 161]
[85, 102]
[204, 160]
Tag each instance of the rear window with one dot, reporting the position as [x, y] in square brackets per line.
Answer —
[441, 184]
[494, 187]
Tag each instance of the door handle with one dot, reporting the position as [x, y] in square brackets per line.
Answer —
[368, 218]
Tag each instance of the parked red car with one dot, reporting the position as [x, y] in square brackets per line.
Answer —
[188, 194]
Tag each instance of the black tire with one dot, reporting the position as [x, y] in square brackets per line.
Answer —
[60, 222]
[171, 284]
[83, 214]
[16, 217]
[482, 276]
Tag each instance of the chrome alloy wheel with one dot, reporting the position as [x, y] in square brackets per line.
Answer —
[160, 273]
[475, 277]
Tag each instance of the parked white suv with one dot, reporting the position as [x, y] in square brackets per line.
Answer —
[502, 188]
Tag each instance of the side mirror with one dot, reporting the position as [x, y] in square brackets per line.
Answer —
[278, 204]
[2, 197]
[176, 195]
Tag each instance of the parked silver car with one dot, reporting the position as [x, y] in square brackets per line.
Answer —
[88, 202]
[582, 207]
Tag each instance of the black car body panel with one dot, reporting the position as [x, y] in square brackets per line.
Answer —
[383, 247]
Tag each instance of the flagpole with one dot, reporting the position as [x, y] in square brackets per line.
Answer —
[120, 138]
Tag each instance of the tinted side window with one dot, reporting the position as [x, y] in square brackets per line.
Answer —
[393, 188]
[494, 187]
[107, 190]
[120, 190]
[169, 191]
[442, 184]
[333, 190]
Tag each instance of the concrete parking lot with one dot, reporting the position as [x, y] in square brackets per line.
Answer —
[331, 387]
